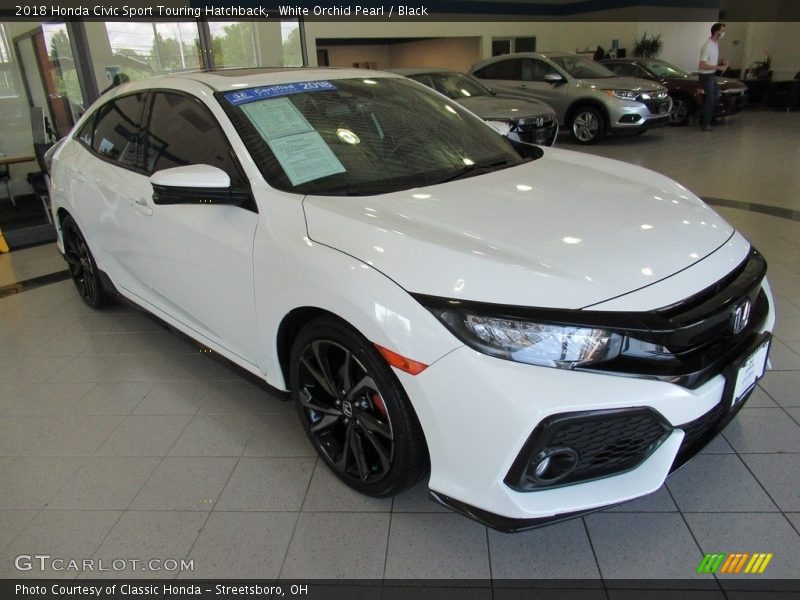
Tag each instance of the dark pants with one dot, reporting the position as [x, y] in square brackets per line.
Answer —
[711, 90]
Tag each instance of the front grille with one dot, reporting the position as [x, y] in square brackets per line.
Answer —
[606, 442]
[657, 107]
[537, 135]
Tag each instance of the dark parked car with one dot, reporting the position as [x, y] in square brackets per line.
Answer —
[686, 90]
[528, 121]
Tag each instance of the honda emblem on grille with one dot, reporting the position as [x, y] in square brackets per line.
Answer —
[539, 121]
[740, 315]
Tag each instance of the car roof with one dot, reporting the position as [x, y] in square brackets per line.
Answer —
[238, 78]
[406, 71]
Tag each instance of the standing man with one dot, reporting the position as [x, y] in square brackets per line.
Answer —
[709, 63]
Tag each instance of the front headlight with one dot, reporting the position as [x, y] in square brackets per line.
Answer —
[623, 94]
[544, 344]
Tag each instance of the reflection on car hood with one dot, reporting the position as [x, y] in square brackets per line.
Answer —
[501, 107]
[726, 84]
[568, 230]
[623, 83]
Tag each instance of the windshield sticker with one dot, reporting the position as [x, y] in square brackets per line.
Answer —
[305, 157]
[283, 89]
[276, 118]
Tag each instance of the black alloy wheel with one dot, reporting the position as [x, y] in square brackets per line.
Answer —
[82, 266]
[354, 410]
[681, 110]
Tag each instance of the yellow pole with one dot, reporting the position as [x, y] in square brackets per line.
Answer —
[3, 244]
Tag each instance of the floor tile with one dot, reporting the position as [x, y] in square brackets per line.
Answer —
[173, 398]
[279, 435]
[241, 397]
[783, 358]
[417, 500]
[559, 551]
[718, 483]
[658, 501]
[643, 546]
[750, 532]
[108, 483]
[63, 535]
[268, 484]
[111, 399]
[760, 399]
[214, 435]
[763, 430]
[144, 436]
[75, 436]
[327, 493]
[242, 545]
[780, 476]
[30, 482]
[17, 434]
[11, 523]
[436, 546]
[147, 535]
[783, 387]
[360, 540]
[45, 398]
[183, 483]
[794, 519]
[719, 445]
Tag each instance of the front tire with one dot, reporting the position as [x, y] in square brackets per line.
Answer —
[681, 110]
[587, 125]
[354, 410]
[82, 266]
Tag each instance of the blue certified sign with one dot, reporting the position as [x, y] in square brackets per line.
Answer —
[273, 91]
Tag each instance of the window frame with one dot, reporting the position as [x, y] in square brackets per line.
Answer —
[93, 119]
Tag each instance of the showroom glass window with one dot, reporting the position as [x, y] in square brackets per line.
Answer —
[117, 130]
[183, 131]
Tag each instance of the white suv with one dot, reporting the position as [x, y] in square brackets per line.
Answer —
[543, 332]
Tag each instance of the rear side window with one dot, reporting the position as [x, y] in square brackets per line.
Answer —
[503, 69]
[118, 131]
[182, 132]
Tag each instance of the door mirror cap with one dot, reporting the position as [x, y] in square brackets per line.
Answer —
[192, 176]
[554, 78]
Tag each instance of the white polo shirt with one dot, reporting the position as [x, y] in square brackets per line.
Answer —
[709, 54]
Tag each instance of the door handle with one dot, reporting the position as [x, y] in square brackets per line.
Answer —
[140, 205]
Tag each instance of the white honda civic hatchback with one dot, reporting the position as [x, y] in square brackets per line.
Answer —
[539, 331]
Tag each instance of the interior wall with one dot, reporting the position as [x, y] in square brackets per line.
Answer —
[453, 53]
[682, 42]
[781, 41]
[345, 56]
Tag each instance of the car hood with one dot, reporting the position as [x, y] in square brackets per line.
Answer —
[622, 83]
[724, 83]
[568, 230]
[502, 107]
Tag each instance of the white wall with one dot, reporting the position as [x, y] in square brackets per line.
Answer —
[780, 40]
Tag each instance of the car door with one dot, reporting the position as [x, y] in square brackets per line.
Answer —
[104, 174]
[196, 259]
[524, 78]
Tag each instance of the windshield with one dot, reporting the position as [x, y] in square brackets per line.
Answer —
[664, 69]
[453, 85]
[362, 136]
[581, 67]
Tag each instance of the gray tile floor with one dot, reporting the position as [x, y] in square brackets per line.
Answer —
[119, 439]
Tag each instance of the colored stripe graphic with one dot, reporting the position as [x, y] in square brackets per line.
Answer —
[735, 562]
[711, 563]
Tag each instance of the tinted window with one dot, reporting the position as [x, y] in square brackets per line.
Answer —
[625, 70]
[502, 69]
[535, 70]
[117, 132]
[184, 132]
[86, 132]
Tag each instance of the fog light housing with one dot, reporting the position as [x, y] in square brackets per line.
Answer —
[553, 464]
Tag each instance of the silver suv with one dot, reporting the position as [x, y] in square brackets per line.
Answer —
[589, 99]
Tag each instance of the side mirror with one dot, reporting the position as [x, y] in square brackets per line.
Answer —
[554, 78]
[195, 184]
